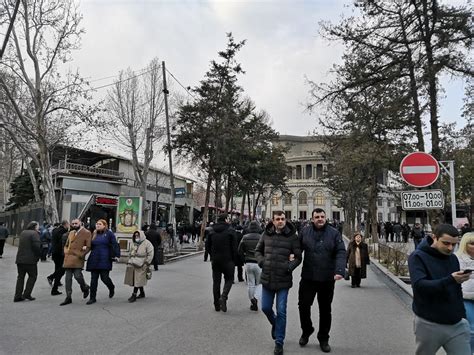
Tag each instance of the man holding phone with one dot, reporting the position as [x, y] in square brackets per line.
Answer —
[440, 318]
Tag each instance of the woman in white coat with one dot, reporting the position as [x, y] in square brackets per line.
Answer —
[139, 260]
[465, 255]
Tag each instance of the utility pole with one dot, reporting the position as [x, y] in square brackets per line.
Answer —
[172, 216]
[448, 167]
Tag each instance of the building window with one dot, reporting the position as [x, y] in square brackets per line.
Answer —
[319, 199]
[302, 198]
[289, 172]
[288, 215]
[309, 171]
[288, 199]
[379, 202]
[298, 172]
[275, 200]
[379, 217]
[319, 170]
[336, 216]
[303, 215]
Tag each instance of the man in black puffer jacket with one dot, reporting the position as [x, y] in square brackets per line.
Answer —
[222, 246]
[278, 253]
[324, 263]
[58, 240]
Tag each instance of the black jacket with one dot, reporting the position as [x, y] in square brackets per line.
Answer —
[273, 255]
[324, 253]
[249, 243]
[58, 240]
[222, 243]
[29, 249]
[153, 235]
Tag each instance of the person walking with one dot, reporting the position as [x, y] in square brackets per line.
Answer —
[247, 252]
[3, 237]
[104, 249]
[58, 240]
[357, 259]
[140, 257]
[222, 246]
[465, 256]
[27, 257]
[417, 233]
[77, 246]
[324, 264]
[45, 238]
[437, 295]
[154, 236]
[278, 253]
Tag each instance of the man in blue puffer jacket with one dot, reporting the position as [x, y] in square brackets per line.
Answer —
[324, 263]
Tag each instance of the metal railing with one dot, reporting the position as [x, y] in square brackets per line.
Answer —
[85, 169]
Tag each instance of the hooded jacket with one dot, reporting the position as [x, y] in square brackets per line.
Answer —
[249, 242]
[222, 243]
[273, 255]
[324, 253]
[437, 297]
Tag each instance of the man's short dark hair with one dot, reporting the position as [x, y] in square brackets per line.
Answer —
[317, 210]
[153, 226]
[222, 217]
[445, 229]
[277, 213]
[32, 225]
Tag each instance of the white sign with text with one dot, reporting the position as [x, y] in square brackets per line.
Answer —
[422, 200]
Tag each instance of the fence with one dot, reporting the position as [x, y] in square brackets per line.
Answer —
[17, 220]
[394, 258]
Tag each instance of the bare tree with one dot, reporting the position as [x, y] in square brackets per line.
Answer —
[39, 103]
[135, 106]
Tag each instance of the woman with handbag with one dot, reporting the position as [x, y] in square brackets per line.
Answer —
[104, 248]
[138, 266]
[357, 259]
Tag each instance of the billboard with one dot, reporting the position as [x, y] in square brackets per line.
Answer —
[129, 214]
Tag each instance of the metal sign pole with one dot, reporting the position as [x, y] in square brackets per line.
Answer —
[448, 167]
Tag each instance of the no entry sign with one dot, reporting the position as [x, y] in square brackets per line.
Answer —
[419, 169]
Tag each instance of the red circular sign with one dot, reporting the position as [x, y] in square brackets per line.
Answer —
[419, 169]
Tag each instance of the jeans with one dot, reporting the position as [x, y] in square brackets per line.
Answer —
[253, 278]
[279, 319]
[104, 276]
[469, 306]
[79, 278]
[219, 269]
[23, 269]
[306, 293]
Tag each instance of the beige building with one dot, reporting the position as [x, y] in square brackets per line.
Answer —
[306, 168]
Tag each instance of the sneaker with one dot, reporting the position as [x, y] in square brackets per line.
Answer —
[278, 349]
[253, 305]
[50, 281]
[223, 304]
[325, 347]
[68, 300]
[305, 338]
[55, 293]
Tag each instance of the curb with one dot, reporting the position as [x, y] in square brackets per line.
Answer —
[180, 257]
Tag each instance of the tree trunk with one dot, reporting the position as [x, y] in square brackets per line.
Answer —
[47, 185]
[249, 206]
[206, 212]
[255, 205]
[242, 207]
[33, 180]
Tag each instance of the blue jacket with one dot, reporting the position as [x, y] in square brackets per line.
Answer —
[324, 253]
[103, 248]
[437, 297]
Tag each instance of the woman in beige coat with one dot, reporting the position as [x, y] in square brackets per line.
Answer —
[139, 260]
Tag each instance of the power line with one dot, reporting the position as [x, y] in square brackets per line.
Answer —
[170, 73]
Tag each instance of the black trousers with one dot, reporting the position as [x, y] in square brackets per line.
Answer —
[306, 294]
[104, 276]
[355, 279]
[58, 270]
[155, 258]
[220, 269]
[2, 245]
[32, 271]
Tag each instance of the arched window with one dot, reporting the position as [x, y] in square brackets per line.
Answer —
[319, 199]
[302, 198]
[288, 198]
[275, 200]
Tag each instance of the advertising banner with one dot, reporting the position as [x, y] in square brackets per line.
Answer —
[129, 214]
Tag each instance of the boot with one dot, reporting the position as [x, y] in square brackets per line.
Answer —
[111, 292]
[141, 294]
[55, 292]
[253, 305]
[91, 301]
[68, 300]
[132, 298]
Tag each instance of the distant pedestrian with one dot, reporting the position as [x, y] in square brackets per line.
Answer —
[77, 246]
[324, 264]
[465, 255]
[27, 257]
[154, 236]
[405, 232]
[357, 259]
[278, 253]
[222, 246]
[104, 249]
[3, 237]
[45, 238]
[397, 230]
[58, 240]
[138, 264]
[437, 295]
[465, 229]
[417, 233]
[239, 263]
[247, 248]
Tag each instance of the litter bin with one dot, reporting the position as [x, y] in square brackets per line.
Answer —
[161, 256]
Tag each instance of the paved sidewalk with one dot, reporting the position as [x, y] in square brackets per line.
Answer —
[177, 317]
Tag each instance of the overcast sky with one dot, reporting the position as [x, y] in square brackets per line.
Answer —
[282, 48]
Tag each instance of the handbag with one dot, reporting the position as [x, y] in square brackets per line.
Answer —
[148, 273]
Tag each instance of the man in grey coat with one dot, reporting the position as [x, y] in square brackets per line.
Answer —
[3, 236]
[27, 257]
